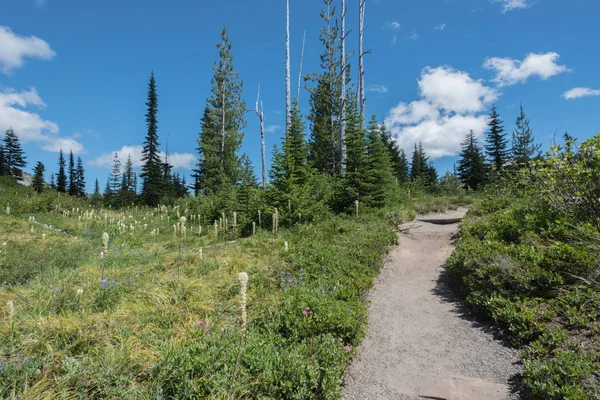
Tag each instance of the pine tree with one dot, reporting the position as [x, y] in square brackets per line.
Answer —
[221, 126]
[248, 185]
[14, 157]
[418, 165]
[115, 176]
[290, 170]
[3, 169]
[96, 188]
[151, 166]
[431, 175]
[108, 195]
[523, 145]
[61, 180]
[471, 164]
[72, 175]
[96, 199]
[128, 178]
[378, 173]
[325, 99]
[398, 158]
[38, 183]
[354, 178]
[52, 182]
[80, 173]
[496, 143]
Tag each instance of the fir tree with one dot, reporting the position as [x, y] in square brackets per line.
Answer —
[221, 125]
[248, 185]
[61, 180]
[378, 173]
[96, 199]
[115, 176]
[108, 195]
[72, 175]
[52, 182]
[325, 99]
[80, 173]
[290, 170]
[398, 158]
[128, 178]
[96, 188]
[355, 156]
[431, 175]
[496, 143]
[38, 183]
[14, 157]
[418, 166]
[151, 166]
[523, 145]
[3, 169]
[471, 164]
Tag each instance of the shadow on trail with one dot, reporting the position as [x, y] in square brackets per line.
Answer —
[447, 288]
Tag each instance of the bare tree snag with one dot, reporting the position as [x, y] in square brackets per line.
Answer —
[300, 72]
[261, 116]
[288, 90]
[343, 91]
[361, 67]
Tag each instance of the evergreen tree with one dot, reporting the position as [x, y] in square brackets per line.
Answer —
[355, 156]
[248, 185]
[14, 157]
[3, 169]
[96, 188]
[221, 125]
[496, 143]
[38, 183]
[471, 164]
[72, 175]
[115, 176]
[108, 195]
[151, 166]
[523, 145]
[378, 173]
[290, 170]
[96, 199]
[419, 164]
[431, 175]
[325, 99]
[397, 156]
[52, 182]
[61, 180]
[80, 173]
[128, 178]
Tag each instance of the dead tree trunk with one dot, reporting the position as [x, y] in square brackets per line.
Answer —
[261, 116]
[288, 90]
[300, 72]
[361, 66]
[343, 91]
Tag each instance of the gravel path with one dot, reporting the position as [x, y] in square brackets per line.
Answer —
[421, 342]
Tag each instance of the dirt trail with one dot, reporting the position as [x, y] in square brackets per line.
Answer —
[420, 340]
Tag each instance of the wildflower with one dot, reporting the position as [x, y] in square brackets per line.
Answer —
[105, 239]
[103, 282]
[307, 309]
[347, 349]
[243, 278]
[304, 313]
[200, 324]
[10, 306]
[341, 340]
[79, 292]
[206, 330]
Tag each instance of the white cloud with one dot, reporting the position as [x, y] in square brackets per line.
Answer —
[377, 88]
[510, 5]
[452, 103]
[440, 27]
[413, 36]
[177, 160]
[14, 49]
[394, 26]
[57, 144]
[510, 71]
[579, 92]
[272, 128]
[40, 3]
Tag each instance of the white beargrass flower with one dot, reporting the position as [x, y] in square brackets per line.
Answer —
[79, 292]
[105, 239]
[243, 278]
[10, 310]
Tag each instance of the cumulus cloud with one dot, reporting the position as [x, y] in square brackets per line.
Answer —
[579, 92]
[452, 103]
[272, 128]
[510, 5]
[177, 160]
[14, 49]
[28, 125]
[510, 72]
[377, 89]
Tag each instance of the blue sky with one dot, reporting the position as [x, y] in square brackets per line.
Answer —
[73, 74]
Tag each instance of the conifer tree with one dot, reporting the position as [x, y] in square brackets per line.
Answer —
[471, 164]
[61, 180]
[128, 178]
[248, 185]
[107, 195]
[80, 173]
[96, 199]
[151, 165]
[378, 173]
[221, 125]
[14, 157]
[418, 165]
[325, 99]
[496, 143]
[523, 145]
[398, 158]
[3, 169]
[96, 188]
[38, 183]
[115, 176]
[431, 175]
[72, 175]
[290, 171]
[52, 182]
[355, 156]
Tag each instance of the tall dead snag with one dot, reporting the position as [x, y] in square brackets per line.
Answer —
[288, 80]
[361, 67]
[261, 116]
[343, 91]
[300, 71]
